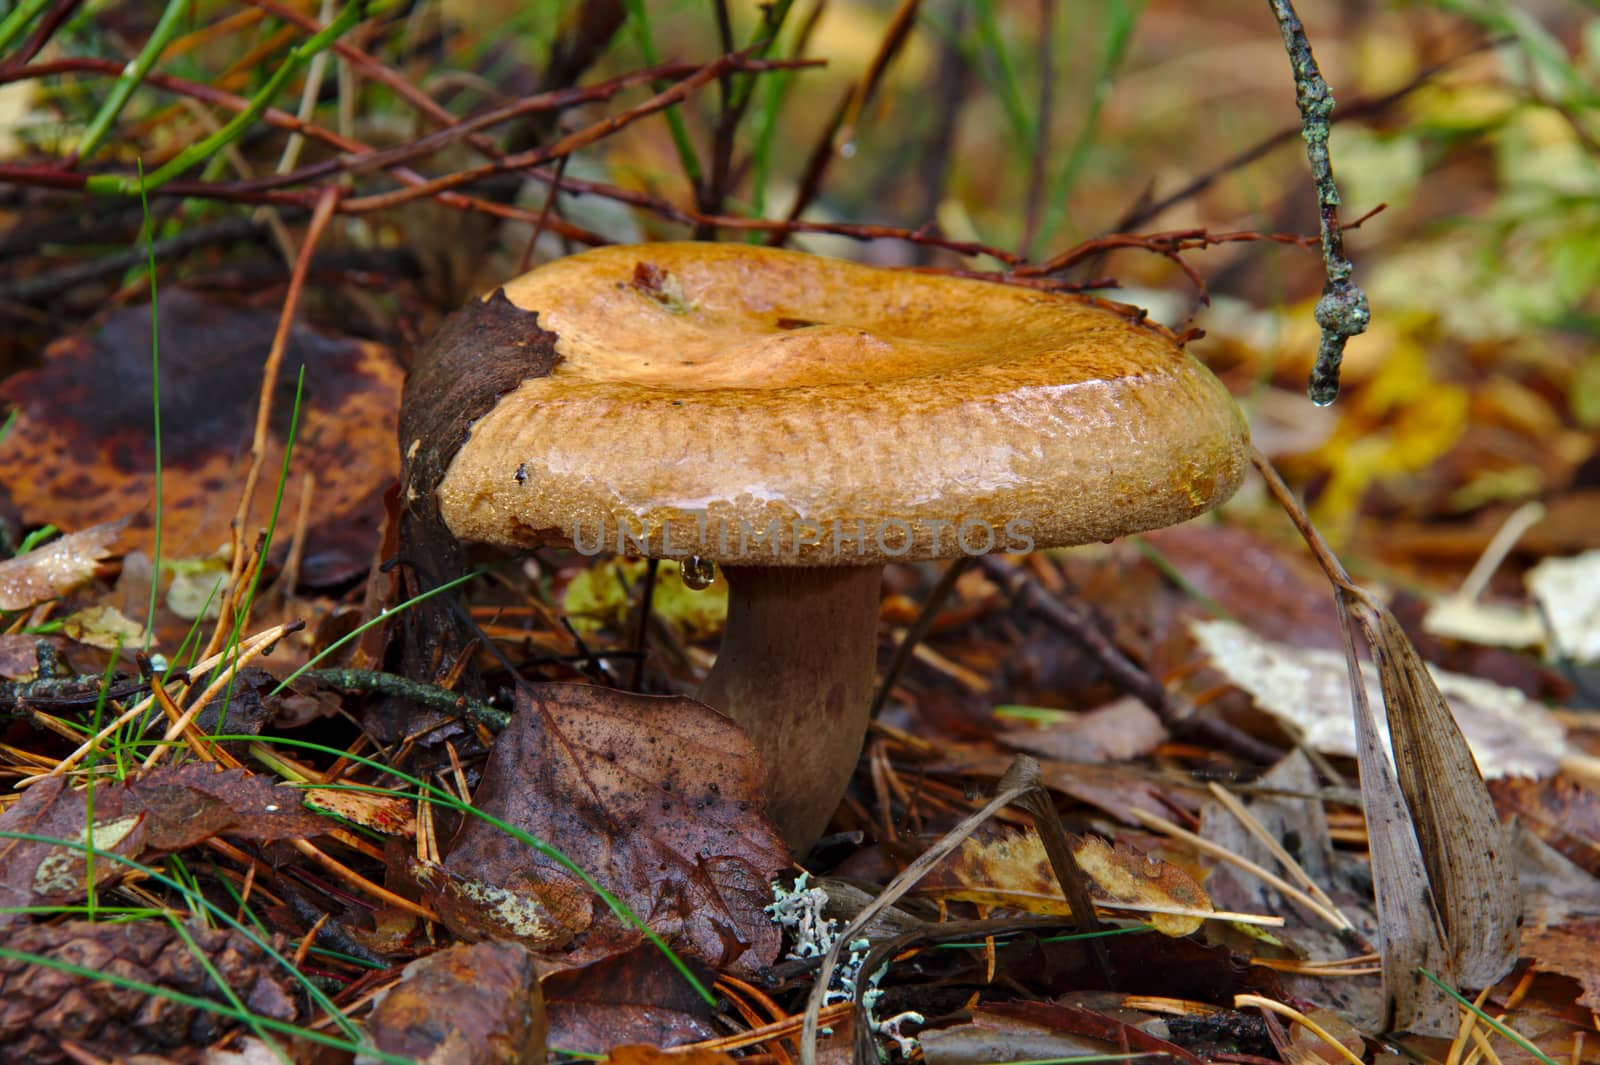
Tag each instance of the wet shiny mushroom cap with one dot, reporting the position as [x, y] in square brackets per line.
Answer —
[762, 407]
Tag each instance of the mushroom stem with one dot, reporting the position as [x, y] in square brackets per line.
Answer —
[796, 669]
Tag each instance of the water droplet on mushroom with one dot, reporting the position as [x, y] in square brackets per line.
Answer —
[697, 572]
[847, 150]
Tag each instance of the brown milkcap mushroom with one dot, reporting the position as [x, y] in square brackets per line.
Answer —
[800, 421]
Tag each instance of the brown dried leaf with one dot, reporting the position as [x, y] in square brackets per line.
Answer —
[543, 916]
[381, 813]
[638, 998]
[1117, 732]
[1571, 950]
[19, 654]
[186, 804]
[1463, 847]
[1563, 811]
[81, 451]
[659, 799]
[165, 810]
[649, 1055]
[1014, 871]
[479, 1003]
[40, 874]
[57, 567]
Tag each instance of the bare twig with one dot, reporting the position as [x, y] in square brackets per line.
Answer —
[1342, 312]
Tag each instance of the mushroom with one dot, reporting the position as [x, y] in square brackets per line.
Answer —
[801, 421]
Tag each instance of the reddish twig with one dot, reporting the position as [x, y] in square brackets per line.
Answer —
[58, 13]
[565, 146]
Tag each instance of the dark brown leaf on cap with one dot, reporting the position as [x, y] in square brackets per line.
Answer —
[659, 799]
[82, 451]
[477, 355]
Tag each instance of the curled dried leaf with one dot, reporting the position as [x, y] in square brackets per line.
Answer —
[56, 568]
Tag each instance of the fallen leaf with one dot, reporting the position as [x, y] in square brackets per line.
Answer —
[1570, 950]
[637, 998]
[1565, 617]
[659, 799]
[1568, 593]
[1561, 810]
[477, 1003]
[1510, 734]
[605, 593]
[56, 568]
[164, 810]
[649, 1055]
[104, 627]
[19, 654]
[1015, 872]
[1117, 732]
[82, 452]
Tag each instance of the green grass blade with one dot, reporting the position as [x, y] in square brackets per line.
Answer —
[196, 1002]
[18, 21]
[250, 1019]
[1514, 1036]
[194, 154]
[639, 20]
[382, 616]
[316, 994]
[130, 79]
[1002, 72]
[155, 404]
[1124, 16]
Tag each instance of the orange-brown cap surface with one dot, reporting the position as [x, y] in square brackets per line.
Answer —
[763, 407]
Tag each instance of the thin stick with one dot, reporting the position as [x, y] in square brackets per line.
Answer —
[1342, 312]
[228, 621]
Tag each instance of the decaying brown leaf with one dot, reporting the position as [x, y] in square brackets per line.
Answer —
[82, 452]
[649, 1055]
[659, 799]
[1569, 949]
[1121, 730]
[477, 1004]
[164, 810]
[637, 998]
[1463, 847]
[57, 567]
[1014, 871]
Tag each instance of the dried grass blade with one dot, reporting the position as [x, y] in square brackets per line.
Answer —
[1466, 854]
[1411, 935]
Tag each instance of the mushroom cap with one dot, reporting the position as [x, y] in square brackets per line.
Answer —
[754, 406]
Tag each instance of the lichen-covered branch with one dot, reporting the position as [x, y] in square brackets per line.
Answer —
[1342, 312]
